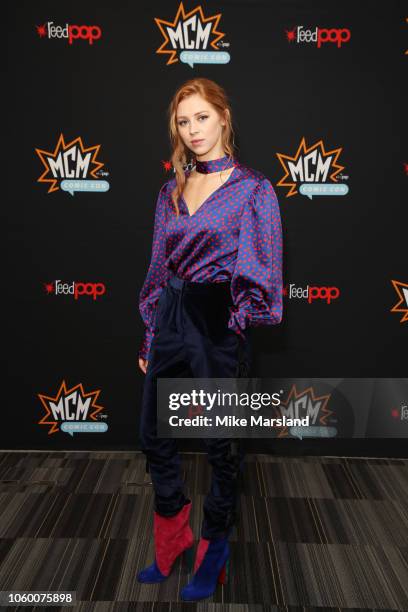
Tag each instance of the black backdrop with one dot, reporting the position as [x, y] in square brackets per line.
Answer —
[115, 93]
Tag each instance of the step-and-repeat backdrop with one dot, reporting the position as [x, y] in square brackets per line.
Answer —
[316, 90]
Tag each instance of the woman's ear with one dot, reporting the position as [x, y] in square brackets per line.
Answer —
[226, 116]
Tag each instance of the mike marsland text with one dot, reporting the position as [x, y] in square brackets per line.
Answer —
[232, 421]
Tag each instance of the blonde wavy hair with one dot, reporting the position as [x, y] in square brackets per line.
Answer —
[217, 97]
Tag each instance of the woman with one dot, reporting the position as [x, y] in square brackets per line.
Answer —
[215, 271]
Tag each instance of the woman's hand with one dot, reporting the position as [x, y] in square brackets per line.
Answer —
[143, 364]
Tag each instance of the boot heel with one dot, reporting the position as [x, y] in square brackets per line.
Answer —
[188, 558]
[223, 575]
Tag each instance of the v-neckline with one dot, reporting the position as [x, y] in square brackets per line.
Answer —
[207, 198]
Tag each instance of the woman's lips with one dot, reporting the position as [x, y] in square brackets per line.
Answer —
[196, 142]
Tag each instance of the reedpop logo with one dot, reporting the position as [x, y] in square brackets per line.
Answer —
[70, 32]
[320, 36]
[75, 289]
[327, 294]
[401, 414]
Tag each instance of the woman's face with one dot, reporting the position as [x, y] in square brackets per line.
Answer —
[197, 120]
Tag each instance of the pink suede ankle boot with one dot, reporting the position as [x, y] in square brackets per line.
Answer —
[172, 536]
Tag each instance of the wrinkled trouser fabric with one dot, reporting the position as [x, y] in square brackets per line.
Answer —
[192, 339]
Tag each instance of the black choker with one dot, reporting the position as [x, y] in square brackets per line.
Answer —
[215, 165]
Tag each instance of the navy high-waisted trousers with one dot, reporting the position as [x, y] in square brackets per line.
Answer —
[192, 339]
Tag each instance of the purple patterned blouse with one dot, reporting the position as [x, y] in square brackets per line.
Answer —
[235, 235]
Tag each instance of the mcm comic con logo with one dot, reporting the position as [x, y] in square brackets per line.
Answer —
[73, 411]
[307, 403]
[313, 171]
[401, 306]
[73, 167]
[192, 38]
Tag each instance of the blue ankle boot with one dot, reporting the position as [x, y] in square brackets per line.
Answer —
[211, 566]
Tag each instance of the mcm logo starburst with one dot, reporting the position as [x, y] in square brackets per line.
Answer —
[190, 31]
[68, 405]
[402, 305]
[309, 165]
[68, 161]
[304, 403]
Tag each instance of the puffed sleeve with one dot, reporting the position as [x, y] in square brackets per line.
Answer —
[256, 284]
[156, 276]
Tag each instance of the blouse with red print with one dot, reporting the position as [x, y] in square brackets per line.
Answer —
[235, 235]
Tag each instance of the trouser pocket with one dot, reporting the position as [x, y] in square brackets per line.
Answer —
[160, 308]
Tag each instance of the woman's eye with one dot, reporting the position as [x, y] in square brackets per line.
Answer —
[201, 117]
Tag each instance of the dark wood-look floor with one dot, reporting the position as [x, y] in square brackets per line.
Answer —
[314, 533]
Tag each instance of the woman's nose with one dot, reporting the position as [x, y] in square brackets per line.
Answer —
[193, 127]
